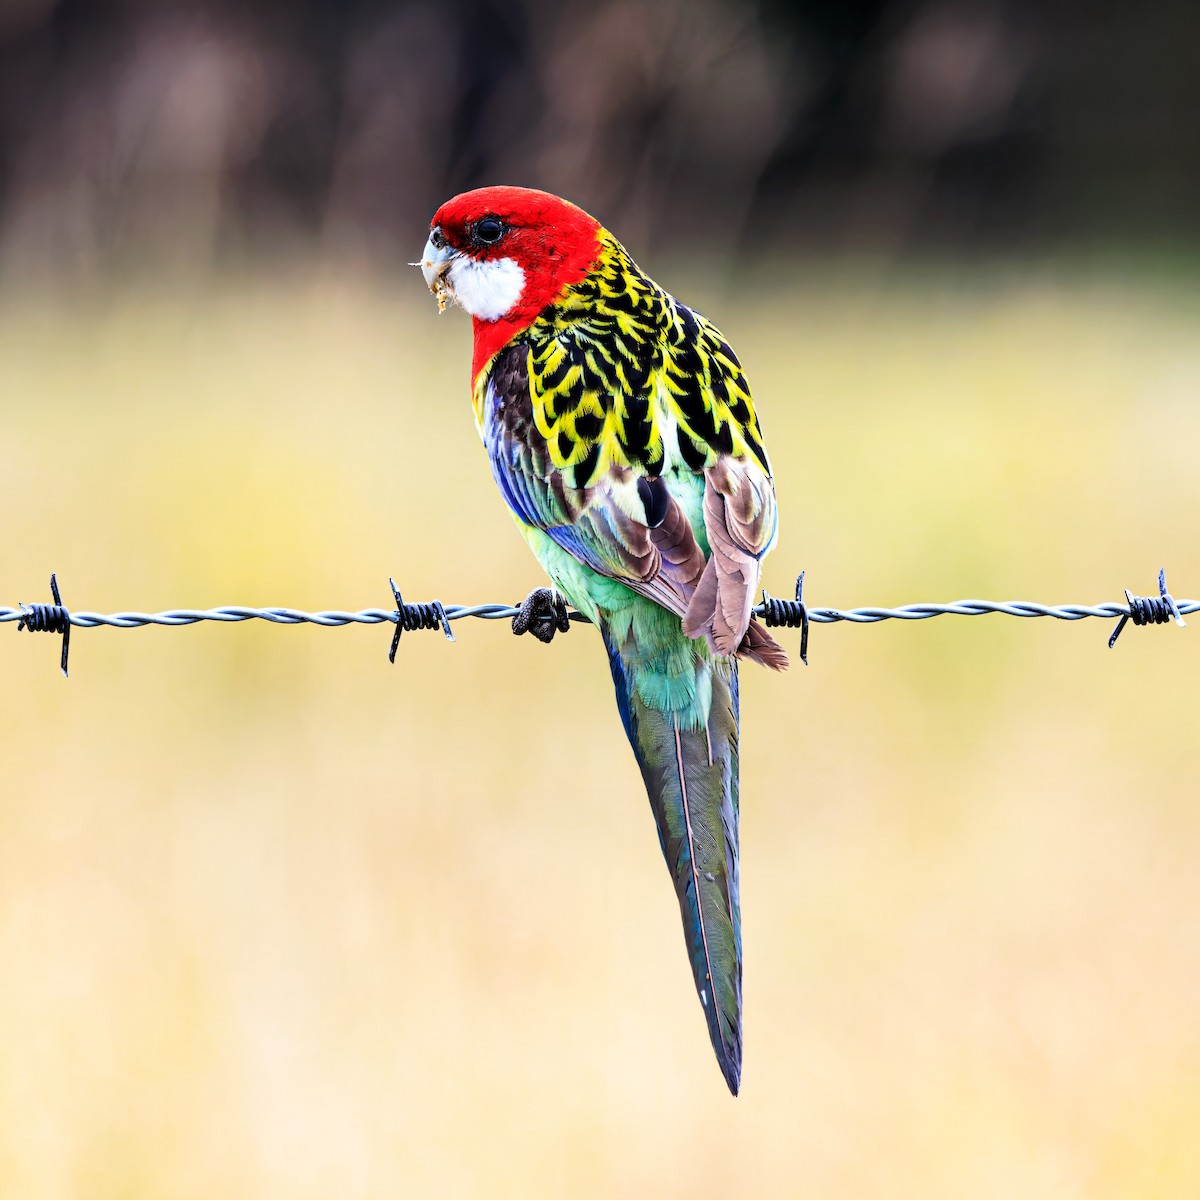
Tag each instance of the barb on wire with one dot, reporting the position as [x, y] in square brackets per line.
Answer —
[1149, 610]
[543, 611]
[788, 613]
[48, 618]
[416, 616]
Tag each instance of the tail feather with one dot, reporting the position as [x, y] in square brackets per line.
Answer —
[760, 647]
[690, 769]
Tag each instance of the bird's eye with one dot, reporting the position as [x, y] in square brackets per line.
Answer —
[489, 230]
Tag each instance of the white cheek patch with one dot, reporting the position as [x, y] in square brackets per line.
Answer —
[487, 290]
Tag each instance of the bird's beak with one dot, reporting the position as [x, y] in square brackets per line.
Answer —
[435, 262]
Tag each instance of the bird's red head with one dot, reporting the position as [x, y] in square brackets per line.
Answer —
[505, 253]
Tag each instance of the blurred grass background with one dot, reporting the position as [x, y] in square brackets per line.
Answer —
[280, 920]
[277, 919]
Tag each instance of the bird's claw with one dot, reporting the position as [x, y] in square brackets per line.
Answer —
[543, 613]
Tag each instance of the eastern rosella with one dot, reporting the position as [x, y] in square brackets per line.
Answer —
[622, 435]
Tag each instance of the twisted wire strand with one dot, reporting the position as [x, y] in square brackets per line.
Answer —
[330, 618]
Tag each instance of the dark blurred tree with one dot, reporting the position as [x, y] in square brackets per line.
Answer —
[155, 130]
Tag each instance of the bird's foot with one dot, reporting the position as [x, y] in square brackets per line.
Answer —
[543, 613]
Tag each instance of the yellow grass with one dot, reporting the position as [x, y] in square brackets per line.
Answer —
[279, 920]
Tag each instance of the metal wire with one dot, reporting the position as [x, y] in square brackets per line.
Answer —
[231, 614]
[978, 608]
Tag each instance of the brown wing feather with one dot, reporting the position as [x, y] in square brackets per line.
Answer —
[739, 519]
[662, 563]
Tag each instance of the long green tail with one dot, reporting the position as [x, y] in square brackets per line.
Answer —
[688, 753]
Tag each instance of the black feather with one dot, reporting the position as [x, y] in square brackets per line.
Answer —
[656, 500]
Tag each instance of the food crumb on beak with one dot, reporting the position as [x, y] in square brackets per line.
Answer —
[435, 278]
[442, 293]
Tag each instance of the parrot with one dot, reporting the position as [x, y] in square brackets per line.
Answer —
[621, 433]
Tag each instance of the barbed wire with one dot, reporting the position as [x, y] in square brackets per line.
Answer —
[544, 612]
